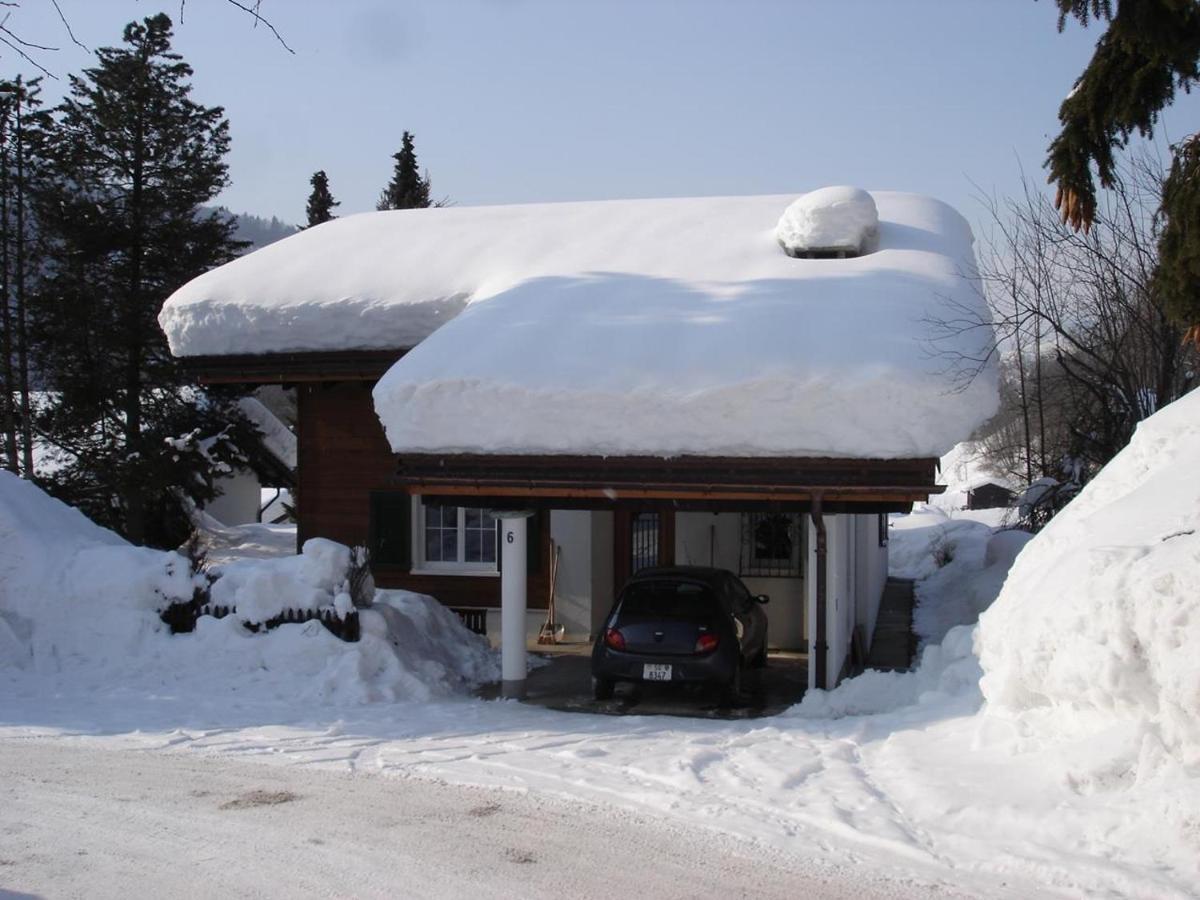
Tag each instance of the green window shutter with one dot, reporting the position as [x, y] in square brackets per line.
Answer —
[391, 529]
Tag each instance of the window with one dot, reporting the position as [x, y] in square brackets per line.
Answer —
[882, 526]
[456, 537]
[771, 545]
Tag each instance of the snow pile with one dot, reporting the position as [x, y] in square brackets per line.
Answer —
[969, 582]
[1098, 627]
[920, 543]
[261, 589]
[974, 562]
[78, 602]
[947, 673]
[832, 218]
[72, 592]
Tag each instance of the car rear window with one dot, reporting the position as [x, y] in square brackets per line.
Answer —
[678, 600]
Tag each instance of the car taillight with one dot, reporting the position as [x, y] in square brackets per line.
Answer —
[706, 643]
[614, 639]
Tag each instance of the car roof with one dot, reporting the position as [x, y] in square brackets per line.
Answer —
[704, 574]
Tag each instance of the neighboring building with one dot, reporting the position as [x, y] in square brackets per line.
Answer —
[652, 382]
[243, 496]
[990, 495]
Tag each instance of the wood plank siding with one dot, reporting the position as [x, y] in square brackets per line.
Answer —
[344, 458]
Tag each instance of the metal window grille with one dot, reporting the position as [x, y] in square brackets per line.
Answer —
[770, 545]
[644, 532]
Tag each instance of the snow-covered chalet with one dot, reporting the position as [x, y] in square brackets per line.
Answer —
[591, 388]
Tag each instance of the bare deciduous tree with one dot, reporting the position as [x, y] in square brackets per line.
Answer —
[1086, 346]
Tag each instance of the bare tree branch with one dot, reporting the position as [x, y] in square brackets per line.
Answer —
[67, 25]
[253, 12]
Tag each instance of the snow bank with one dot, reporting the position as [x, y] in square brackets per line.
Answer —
[949, 600]
[947, 673]
[72, 592]
[1098, 625]
[80, 603]
[832, 218]
[969, 582]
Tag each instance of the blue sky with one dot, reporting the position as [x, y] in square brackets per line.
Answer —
[531, 100]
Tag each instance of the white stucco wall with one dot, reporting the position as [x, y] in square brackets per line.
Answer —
[571, 531]
[871, 573]
[856, 568]
[239, 499]
[708, 539]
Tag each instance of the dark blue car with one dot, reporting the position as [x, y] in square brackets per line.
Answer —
[680, 624]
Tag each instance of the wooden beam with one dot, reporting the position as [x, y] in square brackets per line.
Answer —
[292, 368]
[666, 493]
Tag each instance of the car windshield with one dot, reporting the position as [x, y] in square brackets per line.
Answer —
[670, 600]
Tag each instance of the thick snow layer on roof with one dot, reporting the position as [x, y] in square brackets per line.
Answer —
[657, 326]
[680, 326]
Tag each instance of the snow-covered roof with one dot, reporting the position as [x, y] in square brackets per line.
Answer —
[277, 438]
[619, 327]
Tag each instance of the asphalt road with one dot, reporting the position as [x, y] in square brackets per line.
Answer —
[76, 821]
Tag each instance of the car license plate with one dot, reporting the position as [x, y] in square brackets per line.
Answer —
[652, 672]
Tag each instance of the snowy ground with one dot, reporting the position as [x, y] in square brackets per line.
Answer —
[919, 797]
[1050, 751]
[183, 826]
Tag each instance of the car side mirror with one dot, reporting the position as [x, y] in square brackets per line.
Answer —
[763, 599]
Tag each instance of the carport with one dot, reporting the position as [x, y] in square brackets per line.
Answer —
[516, 486]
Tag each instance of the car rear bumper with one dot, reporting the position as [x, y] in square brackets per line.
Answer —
[616, 666]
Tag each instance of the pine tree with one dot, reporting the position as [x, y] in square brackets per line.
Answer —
[1149, 50]
[135, 159]
[320, 201]
[408, 189]
[23, 140]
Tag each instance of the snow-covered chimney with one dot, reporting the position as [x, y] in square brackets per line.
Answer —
[829, 223]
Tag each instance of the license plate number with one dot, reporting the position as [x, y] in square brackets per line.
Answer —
[652, 672]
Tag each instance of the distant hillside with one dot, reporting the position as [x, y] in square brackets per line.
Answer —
[259, 231]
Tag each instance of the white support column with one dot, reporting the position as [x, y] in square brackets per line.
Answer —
[513, 665]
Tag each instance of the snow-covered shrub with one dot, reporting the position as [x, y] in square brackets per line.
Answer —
[360, 584]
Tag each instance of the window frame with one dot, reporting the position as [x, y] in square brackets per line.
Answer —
[424, 566]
